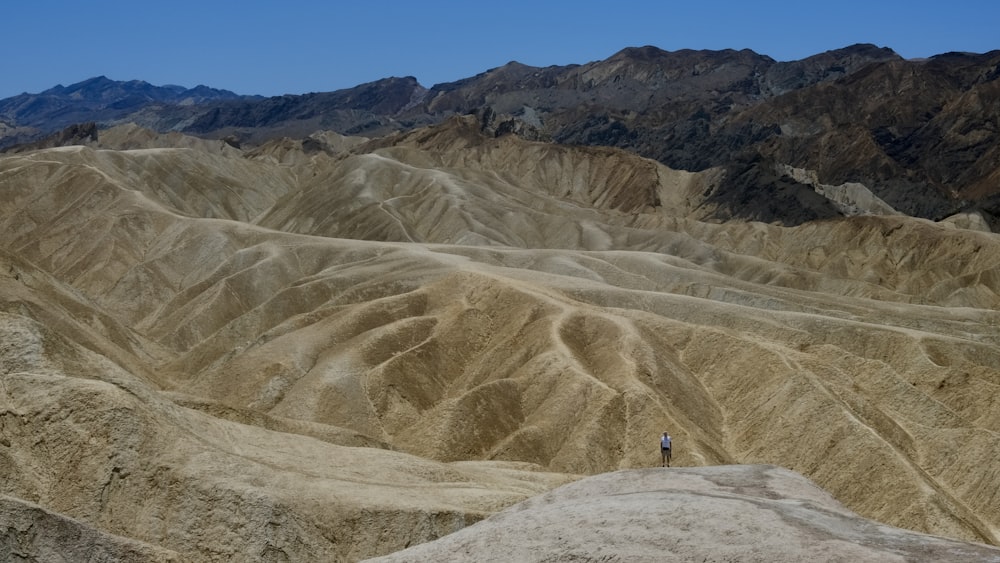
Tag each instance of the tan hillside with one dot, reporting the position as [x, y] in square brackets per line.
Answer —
[89, 442]
[342, 353]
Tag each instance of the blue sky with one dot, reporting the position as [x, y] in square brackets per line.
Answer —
[271, 48]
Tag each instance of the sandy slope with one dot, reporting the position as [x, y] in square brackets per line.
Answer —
[205, 328]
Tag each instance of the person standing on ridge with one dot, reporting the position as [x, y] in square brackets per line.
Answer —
[665, 449]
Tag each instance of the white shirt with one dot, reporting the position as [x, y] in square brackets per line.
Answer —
[665, 441]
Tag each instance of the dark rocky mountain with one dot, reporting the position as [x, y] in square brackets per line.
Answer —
[921, 135]
[76, 134]
[371, 109]
[98, 99]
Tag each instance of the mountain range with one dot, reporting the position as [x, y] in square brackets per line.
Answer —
[456, 329]
[921, 135]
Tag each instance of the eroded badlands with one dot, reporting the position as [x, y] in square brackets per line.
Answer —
[335, 355]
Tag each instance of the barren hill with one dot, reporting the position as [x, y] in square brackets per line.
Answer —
[334, 349]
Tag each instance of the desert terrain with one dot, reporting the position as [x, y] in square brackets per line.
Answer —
[212, 353]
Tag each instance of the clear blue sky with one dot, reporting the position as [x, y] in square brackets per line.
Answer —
[270, 47]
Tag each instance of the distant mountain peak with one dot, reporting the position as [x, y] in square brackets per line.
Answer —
[651, 53]
[866, 48]
[644, 52]
[105, 88]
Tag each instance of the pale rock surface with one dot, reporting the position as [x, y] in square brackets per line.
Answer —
[973, 220]
[851, 198]
[745, 513]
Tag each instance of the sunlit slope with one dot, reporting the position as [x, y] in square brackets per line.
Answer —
[891, 406]
[453, 184]
[92, 444]
[541, 322]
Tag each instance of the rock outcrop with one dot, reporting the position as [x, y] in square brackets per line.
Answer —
[734, 513]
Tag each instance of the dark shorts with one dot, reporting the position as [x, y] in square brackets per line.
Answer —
[665, 450]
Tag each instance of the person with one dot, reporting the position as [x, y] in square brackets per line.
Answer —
[665, 449]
